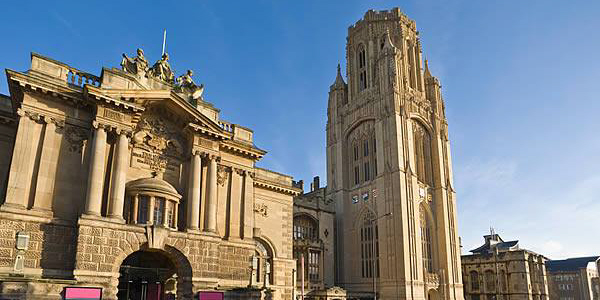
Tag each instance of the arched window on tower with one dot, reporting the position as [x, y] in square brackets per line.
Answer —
[474, 277]
[362, 68]
[369, 247]
[490, 281]
[426, 246]
[422, 152]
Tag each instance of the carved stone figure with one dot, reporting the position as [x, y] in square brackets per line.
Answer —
[187, 86]
[135, 65]
[162, 69]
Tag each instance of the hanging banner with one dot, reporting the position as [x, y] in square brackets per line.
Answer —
[210, 296]
[82, 293]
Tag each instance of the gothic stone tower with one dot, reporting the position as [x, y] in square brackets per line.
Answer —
[389, 169]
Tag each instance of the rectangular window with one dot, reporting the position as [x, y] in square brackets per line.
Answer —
[143, 210]
[159, 208]
[366, 148]
[356, 175]
[170, 219]
[366, 166]
[355, 152]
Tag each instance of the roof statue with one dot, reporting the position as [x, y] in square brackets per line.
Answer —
[135, 65]
[162, 69]
[186, 85]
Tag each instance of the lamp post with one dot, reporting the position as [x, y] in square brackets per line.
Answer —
[373, 255]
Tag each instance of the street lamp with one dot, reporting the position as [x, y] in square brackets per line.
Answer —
[375, 266]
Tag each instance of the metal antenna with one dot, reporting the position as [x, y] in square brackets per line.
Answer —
[164, 41]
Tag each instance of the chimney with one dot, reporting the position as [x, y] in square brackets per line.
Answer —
[316, 183]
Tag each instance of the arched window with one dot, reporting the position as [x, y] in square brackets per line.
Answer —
[369, 247]
[362, 68]
[426, 248]
[474, 277]
[305, 228]
[490, 281]
[263, 263]
[422, 151]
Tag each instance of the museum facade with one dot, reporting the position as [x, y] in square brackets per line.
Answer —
[128, 185]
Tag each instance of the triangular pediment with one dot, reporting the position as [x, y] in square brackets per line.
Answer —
[169, 101]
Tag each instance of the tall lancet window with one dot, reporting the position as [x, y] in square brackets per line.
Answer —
[422, 149]
[369, 247]
[426, 248]
[362, 68]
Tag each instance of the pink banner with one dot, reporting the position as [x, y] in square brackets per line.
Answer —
[210, 296]
[83, 293]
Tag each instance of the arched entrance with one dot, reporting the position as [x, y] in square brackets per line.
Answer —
[147, 275]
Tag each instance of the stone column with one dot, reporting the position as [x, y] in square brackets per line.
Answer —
[23, 161]
[193, 201]
[96, 173]
[164, 213]
[248, 206]
[118, 177]
[176, 215]
[210, 224]
[235, 203]
[44, 190]
[136, 206]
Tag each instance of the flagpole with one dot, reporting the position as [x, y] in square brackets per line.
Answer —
[164, 41]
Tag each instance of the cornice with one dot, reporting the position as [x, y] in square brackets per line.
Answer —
[237, 148]
[276, 187]
[97, 94]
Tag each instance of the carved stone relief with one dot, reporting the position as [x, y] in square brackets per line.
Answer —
[222, 174]
[157, 144]
[76, 138]
[262, 209]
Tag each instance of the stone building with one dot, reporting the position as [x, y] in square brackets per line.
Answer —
[573, 278]
[389, 171]
[131, 183]
[500, 270]
[313, 232]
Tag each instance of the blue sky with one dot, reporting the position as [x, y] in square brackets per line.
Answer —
[519, 80]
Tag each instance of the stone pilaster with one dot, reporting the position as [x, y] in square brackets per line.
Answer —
[235, 203]
[44, 190]
[118, 177]
[210, 220]
[96, 174]
[23, 161]
[248, 206]
[193, 203]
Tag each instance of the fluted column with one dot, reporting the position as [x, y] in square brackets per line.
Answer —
[118, 177]
[96, 175]
[210, 224]
[193, 203]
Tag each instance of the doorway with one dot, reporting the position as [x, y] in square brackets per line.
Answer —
[147, 275]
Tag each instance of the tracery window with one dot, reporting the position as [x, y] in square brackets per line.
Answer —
[313, 265]
[422, 152]
[305, 228]
[474, 277]
[363, 162]
[362, 68]
[369, 239]
[426, 248]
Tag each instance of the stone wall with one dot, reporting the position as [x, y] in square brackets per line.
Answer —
[51, 249]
